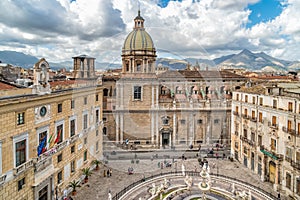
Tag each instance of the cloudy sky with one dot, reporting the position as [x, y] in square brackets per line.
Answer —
[60, 29]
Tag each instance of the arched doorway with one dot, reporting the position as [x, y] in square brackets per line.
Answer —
[272, 171]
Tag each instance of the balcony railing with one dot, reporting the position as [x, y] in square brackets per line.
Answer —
[235, 113]
[253, 119]
[245, 116]
[74, 138]
[62, 145]
[2, 179]
[23, 167]
[245, 139]
[290, 131]
[42, 163]
[295, 164]
[273, 126]
[288, 159]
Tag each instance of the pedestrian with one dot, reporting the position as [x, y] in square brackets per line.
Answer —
[70, 198]
[278, 196]
[110, 172]
[104, 173]
[224, 156]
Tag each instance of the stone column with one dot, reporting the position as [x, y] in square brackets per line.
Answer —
[156, 126]
[152, 97]
[157, 89]
[152, 127]
[121, 127]
[174, 128]
[117, 128]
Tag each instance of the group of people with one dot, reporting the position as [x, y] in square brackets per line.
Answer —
[107, 173]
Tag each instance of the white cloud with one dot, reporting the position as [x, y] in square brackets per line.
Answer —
[58, 30]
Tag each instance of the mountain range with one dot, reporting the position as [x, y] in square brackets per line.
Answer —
[245, 59]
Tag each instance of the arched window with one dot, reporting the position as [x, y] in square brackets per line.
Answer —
[104, 131]
[138, 66]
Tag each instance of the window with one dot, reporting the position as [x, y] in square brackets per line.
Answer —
[59, 177]
[85, 140]
[72, 166]
[73, 149]
[97, 97]
[274, 103]
[72, 127]
[252, 136]
[85, 121]
[21, 184]
[104, 130]
[20, 152]
[259, 140]
[59, 158]
[245, 133]
[59, 132]
[137, 95]
[104, 119]
[85, 156]
[59, 107]
[298, 186]
[97, 115]
[20, 118]
[216, 121]
[261, 101]
[72, 104]
[298, 128]
[260, 118]
[274, 121]
[246, 98]
[273, 144]
[288, 154]
[245, 150]
[236, 129]
[97, 132]
[42, 142]
[237, 96]
[288, 180]
[290, 106]
[97, 146]
[289, 125]
[253, 114]
[165, 121]
[245, 112]
[253, 100]
[182, 121]
[237, 109]
[85, 100]
[199, 121]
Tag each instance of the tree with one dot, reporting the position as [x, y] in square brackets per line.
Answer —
[74, 184]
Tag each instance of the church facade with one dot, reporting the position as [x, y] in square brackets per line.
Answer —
[164, 110]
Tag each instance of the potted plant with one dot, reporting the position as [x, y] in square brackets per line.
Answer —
[74, 184]
[97, 163]
[87, 172]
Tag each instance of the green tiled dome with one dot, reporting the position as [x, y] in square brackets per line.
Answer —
[138, 39]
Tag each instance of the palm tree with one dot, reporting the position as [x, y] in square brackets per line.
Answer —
[87, 172]
[74, 184]
[97, 163]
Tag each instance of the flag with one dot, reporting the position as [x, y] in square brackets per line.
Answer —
[41, 146]
[51, 141]
[57, 136]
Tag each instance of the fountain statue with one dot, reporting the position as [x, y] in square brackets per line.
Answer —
[205, 184]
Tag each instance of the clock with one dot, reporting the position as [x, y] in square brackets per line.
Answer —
[43, 111]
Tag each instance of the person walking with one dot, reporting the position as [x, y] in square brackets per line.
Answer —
[110, 172]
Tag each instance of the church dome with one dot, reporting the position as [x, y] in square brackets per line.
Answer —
[138, 39]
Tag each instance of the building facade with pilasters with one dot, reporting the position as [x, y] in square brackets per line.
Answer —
[48, 134]
[173, 108]
[265, 130]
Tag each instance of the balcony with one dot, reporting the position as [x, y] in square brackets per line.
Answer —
[246, 140]
[273, 126]
[42, 163]
[290, 131]
[235, 113]
[295, 164]
[245, 116]
[74, 138]
[253, 119]
[23, 167]
[2, 179]
[62, 145]
[271, 154]
[288, 159]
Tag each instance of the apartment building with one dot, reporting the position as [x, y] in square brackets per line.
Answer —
[265, 133]
[49, 132]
